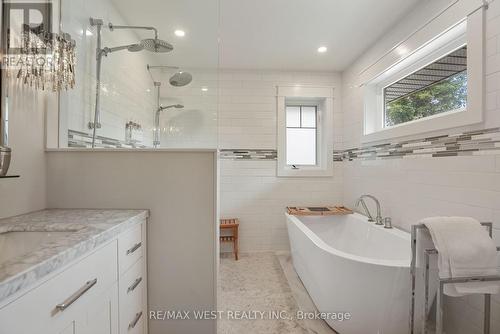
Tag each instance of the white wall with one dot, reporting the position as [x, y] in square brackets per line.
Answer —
[26, 123]
[127, 92]
[411, 189]
[179, 188]
[250, 190]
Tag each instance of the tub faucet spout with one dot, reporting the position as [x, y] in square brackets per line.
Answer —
[378, 218]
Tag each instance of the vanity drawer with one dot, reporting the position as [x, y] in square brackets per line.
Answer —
[60, 300]
[130, 248]
[132, 287]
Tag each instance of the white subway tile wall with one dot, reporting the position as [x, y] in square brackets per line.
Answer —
[250, 189]
[414, 188]
[247, 110]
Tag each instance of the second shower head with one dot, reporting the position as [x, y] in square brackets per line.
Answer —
[178, 79]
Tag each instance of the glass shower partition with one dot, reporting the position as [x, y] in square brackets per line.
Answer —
[131, 111]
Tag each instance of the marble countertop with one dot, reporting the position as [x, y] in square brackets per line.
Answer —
[90, 228]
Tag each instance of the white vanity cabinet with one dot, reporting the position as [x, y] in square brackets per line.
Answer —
[90, 296]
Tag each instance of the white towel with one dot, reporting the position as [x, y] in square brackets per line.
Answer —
[464, 249]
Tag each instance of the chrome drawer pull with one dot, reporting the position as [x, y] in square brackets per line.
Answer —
[133, 249]
[74, 297]
[135, 321]
[134, 285]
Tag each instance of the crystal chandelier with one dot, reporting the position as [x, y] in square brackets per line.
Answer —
[47, 60]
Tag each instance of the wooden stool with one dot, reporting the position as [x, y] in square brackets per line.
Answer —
[230, 224]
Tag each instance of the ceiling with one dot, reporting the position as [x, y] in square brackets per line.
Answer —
[267, 34]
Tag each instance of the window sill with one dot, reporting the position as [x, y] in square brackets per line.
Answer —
[305, 172]
[448, 120]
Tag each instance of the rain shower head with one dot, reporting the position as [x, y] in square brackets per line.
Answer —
[181, 79]
[150, 44]
[156, 45]
[135, 47]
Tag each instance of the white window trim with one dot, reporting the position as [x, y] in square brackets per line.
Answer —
[323, 98]
[421, 55]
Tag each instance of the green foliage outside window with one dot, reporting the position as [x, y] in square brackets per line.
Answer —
[446, 95]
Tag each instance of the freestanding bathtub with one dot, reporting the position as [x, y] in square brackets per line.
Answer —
[350, 265]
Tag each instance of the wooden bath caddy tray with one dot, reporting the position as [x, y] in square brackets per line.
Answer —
[318, 210]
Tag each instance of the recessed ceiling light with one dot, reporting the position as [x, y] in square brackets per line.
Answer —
[322, 49]
[402, 50]
[204, 89]
[180, 33]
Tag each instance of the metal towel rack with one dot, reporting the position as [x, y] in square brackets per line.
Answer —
[442, 282]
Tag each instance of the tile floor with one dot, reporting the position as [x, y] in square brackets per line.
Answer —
[264, 282]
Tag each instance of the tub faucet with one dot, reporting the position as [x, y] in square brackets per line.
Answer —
[378, 218]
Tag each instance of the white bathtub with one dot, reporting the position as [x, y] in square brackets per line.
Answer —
[348, 264]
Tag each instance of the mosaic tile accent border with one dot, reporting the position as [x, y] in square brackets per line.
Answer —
[338, 155]
[272, 155]
[84, 140]
[480, 142]
[227, 154]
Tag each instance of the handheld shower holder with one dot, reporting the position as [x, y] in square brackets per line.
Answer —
[96, 22]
